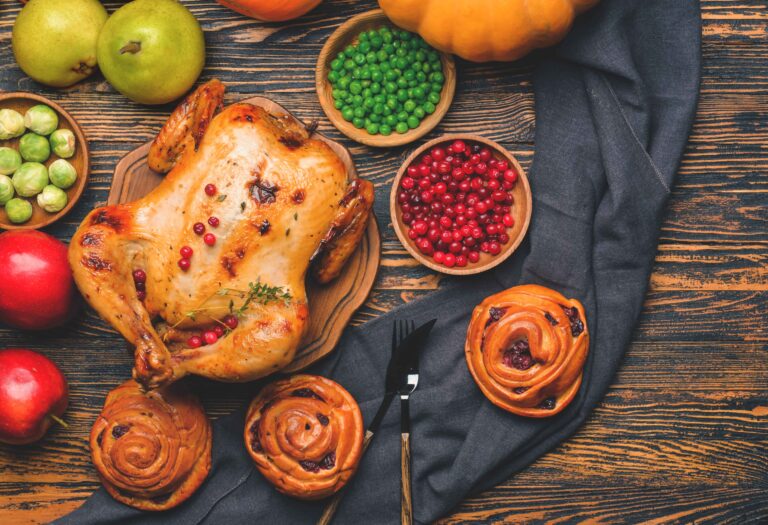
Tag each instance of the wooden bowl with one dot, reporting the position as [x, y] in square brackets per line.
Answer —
[347, 34]
[521, 208]
[21, 102]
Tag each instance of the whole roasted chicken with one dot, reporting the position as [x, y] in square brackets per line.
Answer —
[250, 203]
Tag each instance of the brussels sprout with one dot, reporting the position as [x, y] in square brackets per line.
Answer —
[52, 199]
[10, 160]
[63, 143]
[18, 210]
[30, 179]
[11, 124]
[6, 189]
[41, 119]
[34, 148]
[62, 173]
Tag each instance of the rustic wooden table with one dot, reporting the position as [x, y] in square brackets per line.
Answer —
[681, 436]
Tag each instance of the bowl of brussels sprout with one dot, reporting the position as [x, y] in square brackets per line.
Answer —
[43, 161]
[380, 85]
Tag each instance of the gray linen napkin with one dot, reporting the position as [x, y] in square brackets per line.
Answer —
[614, 105]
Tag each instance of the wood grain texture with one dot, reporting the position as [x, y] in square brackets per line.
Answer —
[331, 305]
[681, 436]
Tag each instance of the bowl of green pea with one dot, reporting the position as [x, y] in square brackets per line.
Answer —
[380, 85]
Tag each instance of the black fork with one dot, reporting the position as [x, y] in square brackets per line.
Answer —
[409, 380]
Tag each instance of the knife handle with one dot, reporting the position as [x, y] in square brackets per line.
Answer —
[406, 505]
[330, 508]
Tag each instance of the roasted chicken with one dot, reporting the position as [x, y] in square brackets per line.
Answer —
[273, 201]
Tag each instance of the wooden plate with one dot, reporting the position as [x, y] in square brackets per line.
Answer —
[330, 306]
[21, 102]
[347, 34]
[521, 208]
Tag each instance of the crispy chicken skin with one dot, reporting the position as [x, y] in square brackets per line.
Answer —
[282, 198]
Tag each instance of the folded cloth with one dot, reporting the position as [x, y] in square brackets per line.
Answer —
[614, 105]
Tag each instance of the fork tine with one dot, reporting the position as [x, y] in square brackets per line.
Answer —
[413, 359]
[395, 338]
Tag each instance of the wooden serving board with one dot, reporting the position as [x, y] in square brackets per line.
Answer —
[330, 306]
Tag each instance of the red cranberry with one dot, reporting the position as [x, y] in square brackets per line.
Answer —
[446, 222]
[230, 321]
[186, 252]
[210, 337]
[485, 154]
[438, 154]
[503, 238]
[213, 221]
[426, 247]
[184, 264]
[194, 342]
[508, 220]
[439, 257]
[458, 174]
[210, 190]
[446, 237]
[449, 260]
[458, 146]
[420, 227]
[209, 239]
[413, 171]
[510, 176]
[481, 168]
[433, 235]
[473, 256]
[455, 247]
[424, 170]
[494, 248]
[461, 261]
[218, 330]
[502, 165]
[427, 196]
[407, 183]
[413, 234]
[139, 276]
[141, 295]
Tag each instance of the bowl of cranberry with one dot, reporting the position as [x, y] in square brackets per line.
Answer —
[461, 204]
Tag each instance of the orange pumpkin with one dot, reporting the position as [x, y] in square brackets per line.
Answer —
[271, 10]
[485, 30]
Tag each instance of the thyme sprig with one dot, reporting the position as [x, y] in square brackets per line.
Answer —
[257, 293]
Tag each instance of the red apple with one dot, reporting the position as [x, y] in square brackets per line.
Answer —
[36, 287]
[33, 394]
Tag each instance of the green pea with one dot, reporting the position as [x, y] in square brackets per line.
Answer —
[338, 104]
[368, 93]
[387, 37]
[421, 77]
[413, 84]
[385, 130]
[409, 106]
[359, 123]
[365, 73]
[390, 120]
[370, 57]
[402, 82]
[389, 48]
[419, 112]
[413, 122]
[437, 77]
[409, 75]
[368, 103]
[434, 97]
[344, 82]
[379, 99]
[401, 52]
[337, 64]
[381, 55]
[429, 107]
[376, 42]
[421, 56]
[358, 112]
[387, 110]
[364, 47]
[402, 116]
[333, 76]
[355, 88]
[405, 35]
[401, 127]
[357, 100]
[392, 103]
[391, 75]
[359, 59]
[390, 87]
[349, 64]
[384, 67]
[377, 75]
[375, 88]
[378, 109]
[347, 113]
[375, 118]
[402, 62]
[371, 33]
[363, 37]
[372, 128]
[349, 51]
[418, 93]
[402, 95]
[338, 94]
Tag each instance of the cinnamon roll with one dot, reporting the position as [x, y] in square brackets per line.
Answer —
[152, 449]
[526, 348]
[305, 434]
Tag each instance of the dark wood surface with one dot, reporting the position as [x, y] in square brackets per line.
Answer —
[681, 436]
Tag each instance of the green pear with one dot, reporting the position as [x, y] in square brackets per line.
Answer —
[54, 41]
[151, 51]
